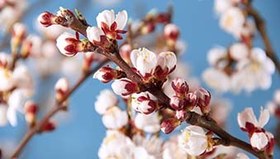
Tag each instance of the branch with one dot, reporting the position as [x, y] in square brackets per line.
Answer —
[227, 139]
[56, 108]
[260, 24]
[192, 118]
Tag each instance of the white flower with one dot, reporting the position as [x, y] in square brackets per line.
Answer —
[167, 61]
[232, 21]
[111, 25]
[254, 72]
[149, 123]
[193, 140]
[248, 116]
[62, 85]
[108, 17]
[239, 51]
[171, 149]
[16, 102]
[259, 140]
[143, 60]
[116, 146]
[215, 55]
[6, 82]
[141, 153]
[105, 100]
[150, 146]
[94, 33]
[222, 6]
[143, 102]
[23, 80]
[217, 79]
[68, 45]
[115, 118]
[124, 87]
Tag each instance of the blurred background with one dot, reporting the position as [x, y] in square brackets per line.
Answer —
[80, 131]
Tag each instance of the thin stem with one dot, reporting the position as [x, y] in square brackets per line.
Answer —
[260, 24]
[56, 108]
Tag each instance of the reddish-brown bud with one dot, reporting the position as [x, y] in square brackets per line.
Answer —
[168, 125]
[31, 110]
[105, 74]
[47, 19]
[203, 99]
[48, 127]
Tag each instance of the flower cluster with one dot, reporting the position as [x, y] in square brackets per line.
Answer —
[16, 82]
[10, 12]
[260, 139]
[240, 66]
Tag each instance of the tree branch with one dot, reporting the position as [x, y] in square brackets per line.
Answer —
[56, 108]
[260, 24]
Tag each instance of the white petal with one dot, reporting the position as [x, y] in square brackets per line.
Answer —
[121, 19]
[3, 116]
[94, 33]
[264, 117]
[247, 115]
[12, 117]
[133, 56]
[216, 54]
[239, 51]
[259, 140]
[216, 79]
[170, 59]
[106, 16]
[105, 100]
[143, 60]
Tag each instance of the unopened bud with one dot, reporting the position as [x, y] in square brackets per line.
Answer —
[48, 127]
[168, 125]
[26, 48]
[203, 99]
[147, 28]
[105, 74]
[46, 19]
[31, 110]
[171, 32]
[125, 52]
[69, 45]
[61, 88]
[180, 87]
[124, 87]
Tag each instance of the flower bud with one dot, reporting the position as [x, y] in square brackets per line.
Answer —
[69, 45]
[203, 99]
[171, 32]
[180, 86]
[18, 34]
[144, 102]
[31, 110]
[105, 74]
[168, 125]
[46, 19]
[61, 88]
[48, 127]
[125, 51]
[26, 48]
[124, 87]
[193, 140]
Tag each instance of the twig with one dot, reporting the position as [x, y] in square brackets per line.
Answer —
[260, 24]
[56, 108]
